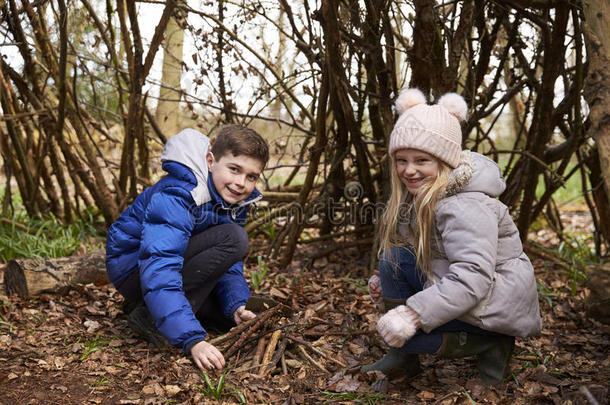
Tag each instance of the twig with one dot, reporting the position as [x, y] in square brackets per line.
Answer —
[365, 228]
[16, 224]
[259, 353]
[269, 351]
[242, 344]
[345, 245]
[243, 326]
[283, 362]
[585, 391]
[260, 320]
[311, 360]
[315, 350]
[279, 353]
[336, 333]
[545, 256]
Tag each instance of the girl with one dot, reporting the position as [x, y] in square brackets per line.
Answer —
[452, 274]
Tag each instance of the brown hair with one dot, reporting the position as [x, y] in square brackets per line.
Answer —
[240, 140]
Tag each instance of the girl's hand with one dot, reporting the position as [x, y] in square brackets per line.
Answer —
[398, 325]
[241, 314]
[207, 357]
[375, 286]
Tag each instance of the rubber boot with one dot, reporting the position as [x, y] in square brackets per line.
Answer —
[142, 323]
[493, 352]
[396, 362]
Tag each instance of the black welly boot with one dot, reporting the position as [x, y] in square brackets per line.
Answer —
[493, 352]
[142, 323]
[396, 362]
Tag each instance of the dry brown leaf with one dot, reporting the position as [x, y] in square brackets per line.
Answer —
[347, 383]
[426, 395]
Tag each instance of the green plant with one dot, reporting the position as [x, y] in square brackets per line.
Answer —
[365, 398]
[578, 252]
[358, 284]
[216, 389]
[531, 359]
[545, 292]
[269, 230]
[92, 346]
[256, 277]
[3, 324]
[99, 382]
[45, 237]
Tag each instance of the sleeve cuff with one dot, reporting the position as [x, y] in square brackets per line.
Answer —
[230, 310]
[187, 347]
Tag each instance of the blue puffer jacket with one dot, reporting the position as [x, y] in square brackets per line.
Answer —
[151, 236]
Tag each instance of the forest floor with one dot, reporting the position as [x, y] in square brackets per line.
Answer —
[78, 349]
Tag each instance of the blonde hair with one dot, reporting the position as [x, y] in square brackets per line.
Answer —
[399, 205]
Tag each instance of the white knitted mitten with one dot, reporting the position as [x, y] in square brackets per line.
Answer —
[398, 325]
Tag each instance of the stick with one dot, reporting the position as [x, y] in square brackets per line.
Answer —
[259, 353]
[258, 321]
[313, 349]
[260, 335]
[17, 225]
[530, 249]
[585, 391]
[237, 330]
[279, 353]
[283, 361]
[336, 333]
[237, 345]
[270, 350]
[311, 360]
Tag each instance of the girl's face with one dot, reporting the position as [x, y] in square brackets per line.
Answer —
[415, 168]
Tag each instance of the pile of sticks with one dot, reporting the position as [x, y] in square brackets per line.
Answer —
[269, 344]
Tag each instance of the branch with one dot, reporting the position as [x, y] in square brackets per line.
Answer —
[158, 36]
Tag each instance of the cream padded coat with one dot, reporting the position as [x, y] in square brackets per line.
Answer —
[481, 275]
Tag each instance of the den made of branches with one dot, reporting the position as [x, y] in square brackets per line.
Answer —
[90, 91]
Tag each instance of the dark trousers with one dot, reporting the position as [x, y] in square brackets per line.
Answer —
[208, 256]
[400, 279]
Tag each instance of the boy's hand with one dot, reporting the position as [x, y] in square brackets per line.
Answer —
[206, 356]
[375, 286]
[241, 314]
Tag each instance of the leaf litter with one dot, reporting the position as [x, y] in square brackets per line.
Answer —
[77, 348]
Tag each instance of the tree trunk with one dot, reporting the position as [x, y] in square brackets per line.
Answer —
[167, 114]
[33, 276]
[597, 83]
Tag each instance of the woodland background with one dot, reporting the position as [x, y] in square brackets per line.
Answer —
[91, 90]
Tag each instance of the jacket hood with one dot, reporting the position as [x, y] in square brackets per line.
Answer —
[476, 172]
[189, 148]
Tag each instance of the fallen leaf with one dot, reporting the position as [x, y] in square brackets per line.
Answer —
[91, 326]
[59, 363]
[274, 292]
[347, 384]
[172, 390]
[426, 395]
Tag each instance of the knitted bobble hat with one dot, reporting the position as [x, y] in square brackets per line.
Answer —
[434, 129]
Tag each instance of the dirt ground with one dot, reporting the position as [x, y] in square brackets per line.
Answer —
[78, 349]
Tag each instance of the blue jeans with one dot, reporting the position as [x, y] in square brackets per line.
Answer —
[400, 279]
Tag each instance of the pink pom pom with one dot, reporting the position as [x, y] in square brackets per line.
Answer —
[409, 98]
[455, 104]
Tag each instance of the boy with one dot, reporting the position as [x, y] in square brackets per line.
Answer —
[175, 253]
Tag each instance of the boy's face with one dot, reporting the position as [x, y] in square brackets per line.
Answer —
[234, 176]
